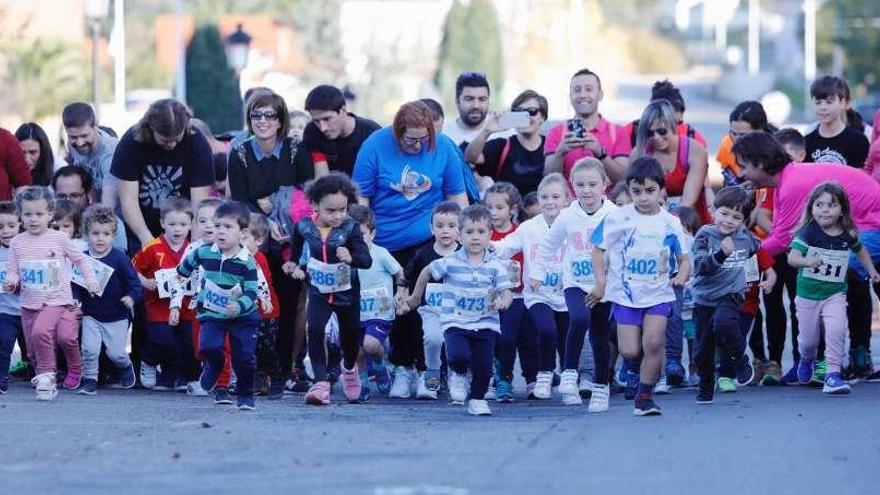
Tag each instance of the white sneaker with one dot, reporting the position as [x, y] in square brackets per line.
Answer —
[195, 389]
[490, 392]
[148, 375]
[572, 399]
[599, 399]
[585, 385]
[478, 407]
[422, 392]
[400, 387]
[544, 385]
[661, 387]
[45, 385]
[458, 387]
[568, 382]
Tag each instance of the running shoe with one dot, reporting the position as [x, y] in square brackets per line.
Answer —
[478, 407]
[820, 369]
[726, 385]
[860, 362]
[298, 382]
[662, 386]
[674, 373]
[148, 375]
[89, 387]
[544, 385]
[772, 374]
[400, 387]
[568, 383]
[745, 372]
[504, 391]
[530, 391]
[622, 374]
[73, 379]
[646, 407]
[127, 379]
[693, 379]
[46, 388]
[599, 398]
[805, 371]
[760, 368]
[585, 386]
[246, 403]
[365, 394]
[834, 385]
[383, 379]
[195, 389]
[422, 390]
[276, 388]
[458, 387]
[874, 377]
[791, 378]
[209, 377]
[221, 396]
[261, 384]
[705, 395]
[318, 394]
[351, 384]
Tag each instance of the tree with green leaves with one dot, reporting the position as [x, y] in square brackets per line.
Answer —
[851, 28]
[212, 88]
[471, 42]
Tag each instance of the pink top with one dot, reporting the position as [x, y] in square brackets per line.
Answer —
[796, 182]
[606, 133]
[872, 164]
[47, 282]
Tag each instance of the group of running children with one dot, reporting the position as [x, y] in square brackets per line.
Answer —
[612, 261]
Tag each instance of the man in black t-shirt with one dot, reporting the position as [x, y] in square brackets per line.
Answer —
[159, 157]
[334, 136]
[833, 141]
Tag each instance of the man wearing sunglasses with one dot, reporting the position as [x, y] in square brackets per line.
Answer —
[335, 135]
[587, 134]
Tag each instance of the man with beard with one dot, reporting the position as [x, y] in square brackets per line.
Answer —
[92, 149]
[472, 100]
[335, 135]
[587, 134]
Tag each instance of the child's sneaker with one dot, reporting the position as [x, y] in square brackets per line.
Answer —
[299, 381]
[693, 379]
[599, 398]
[725, 385]
[791, 378]
[351, 384]
[73, 379]
[504, 392]
[422, 392]
[572, 399]
[745, 373]
[45, 386]
[318, 394]
[530, 391]
[568, 382]
[246, 403]
[276, 388]
[585, 387]
[208, 378]
[834, 385]
[478, 407]
[544, 385]
[89, 387]
[383, 379]
[490, 391]
[804, 371]
[400, 388]
[772, 374]
[674, 373]
[820, 369]
[760, 368]
[706, 393]
[195, 389]
[221, 396]
[433, 381]
[127, 378]
[148, 375]
[458, 387]
[646, 407]
[662, 386]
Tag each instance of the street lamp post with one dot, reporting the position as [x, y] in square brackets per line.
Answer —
[238, 45]
[96, 11]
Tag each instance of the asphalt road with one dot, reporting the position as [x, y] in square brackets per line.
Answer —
[769, 440]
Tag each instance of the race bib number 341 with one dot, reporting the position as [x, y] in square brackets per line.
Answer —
[40, 275]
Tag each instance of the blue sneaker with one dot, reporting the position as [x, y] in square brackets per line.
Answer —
[632, 385]
[834, 385]
[674, 373]
[791, 378]
[503, 391]
[805, 371]
[246, 403]
[646, 408]
[209, 377]
[127, 378]
[383, 379]
[621, 374]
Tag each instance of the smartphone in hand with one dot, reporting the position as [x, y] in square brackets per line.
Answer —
[514, 120]
[576, 127]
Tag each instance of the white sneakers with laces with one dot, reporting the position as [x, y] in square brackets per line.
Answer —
[401, 387]
[422, 391]
[458, 387]
[45, 386]
[478, 407]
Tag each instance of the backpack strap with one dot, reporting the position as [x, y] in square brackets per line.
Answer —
[504, 152]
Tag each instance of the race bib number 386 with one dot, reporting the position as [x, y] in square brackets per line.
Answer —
[329, 278]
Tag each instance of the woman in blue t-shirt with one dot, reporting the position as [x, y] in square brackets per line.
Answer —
[403, 171]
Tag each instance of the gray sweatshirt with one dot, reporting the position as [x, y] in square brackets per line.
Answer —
[717, 275]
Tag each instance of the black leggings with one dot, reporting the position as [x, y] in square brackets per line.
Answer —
[407, 337]
[319, 311]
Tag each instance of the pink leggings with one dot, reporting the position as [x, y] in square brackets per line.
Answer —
[50, 326]
[812, 315]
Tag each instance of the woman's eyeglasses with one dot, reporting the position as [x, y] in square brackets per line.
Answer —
[531, 111]
[411, 141]
[660, 131]
[257, 115]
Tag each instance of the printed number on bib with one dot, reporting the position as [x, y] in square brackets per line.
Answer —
[582, 270]
[434, 295]
[645, 267]
[216, 298]
[552, 282]
[471, 302]
[833, 268]
[40, 275]
[329, 278]
[375, 304]
[2, 275]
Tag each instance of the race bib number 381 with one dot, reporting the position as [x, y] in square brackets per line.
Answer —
[833, 268]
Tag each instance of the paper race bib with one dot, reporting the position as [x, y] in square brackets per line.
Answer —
[552, 282]
[215, 298]
[40, 275]
[102, 273]
[471, 303]
[513, 271]
[376, 304]
[753, 273]
[582, 270]
[643, 267]
[329, 278]
[434, 295]
[166, 283]
[834, 265]
[3, 272]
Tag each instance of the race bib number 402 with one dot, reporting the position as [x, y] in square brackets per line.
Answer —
[643, 267]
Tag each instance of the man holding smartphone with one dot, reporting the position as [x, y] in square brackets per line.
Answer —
[587, 134]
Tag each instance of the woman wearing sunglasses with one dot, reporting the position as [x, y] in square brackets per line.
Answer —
[684, 160]
[518, 159]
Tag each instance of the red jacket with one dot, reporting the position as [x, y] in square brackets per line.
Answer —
[13, 169]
